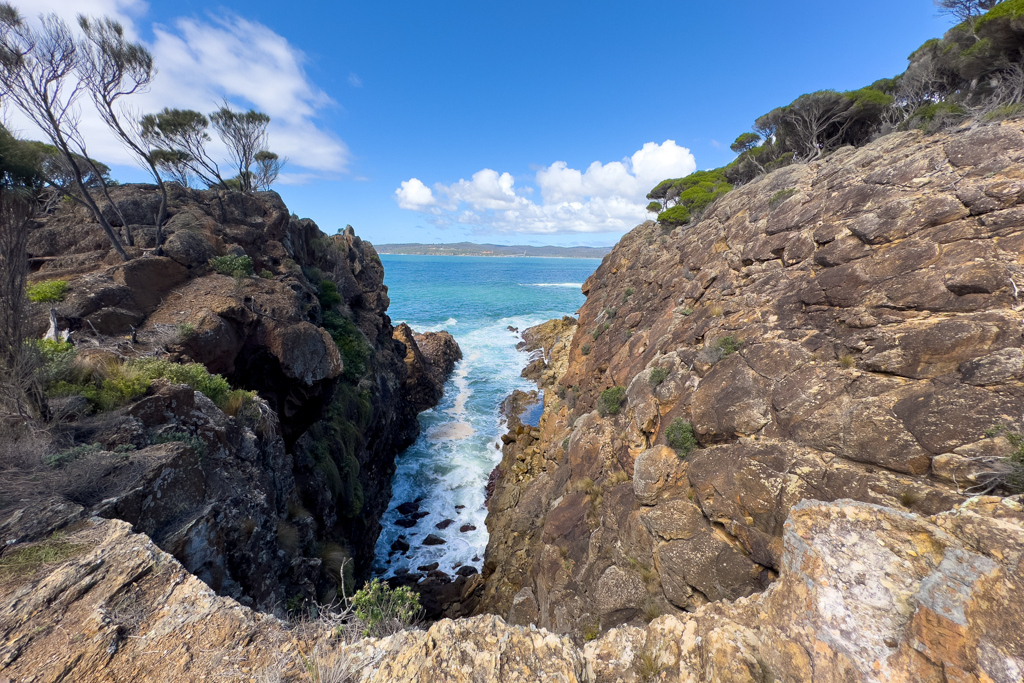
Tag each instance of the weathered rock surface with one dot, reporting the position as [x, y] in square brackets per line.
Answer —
[430, 357]
[858, 338]
[865, 594]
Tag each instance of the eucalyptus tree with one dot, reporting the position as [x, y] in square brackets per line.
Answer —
[113, 68]
[182, 138]
[245, 134]
[39, 71]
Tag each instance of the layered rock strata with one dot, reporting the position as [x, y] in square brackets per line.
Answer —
[844, 329]
[865, 593]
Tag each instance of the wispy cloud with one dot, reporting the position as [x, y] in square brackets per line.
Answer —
[201, 63]
[603, 198]
[354, 80]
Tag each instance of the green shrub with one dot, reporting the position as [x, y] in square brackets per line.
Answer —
[657, 376]
[728, 344]
[384, 610]
[654, 207]
[355, 350]
[628, 293]
[235, 266]
[585, 349]
[266, 274]
[680, 437]
[49, 291]
[677, 215]
[329, 297]
[215, 387]
[611, 400]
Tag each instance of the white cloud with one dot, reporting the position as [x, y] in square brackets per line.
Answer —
[604, 198]
[415, 196]
[199, 64]
[354, 80]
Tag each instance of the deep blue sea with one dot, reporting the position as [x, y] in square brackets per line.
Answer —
[475, 299]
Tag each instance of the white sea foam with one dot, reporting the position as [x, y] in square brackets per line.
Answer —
[552, 284]
[450, 463]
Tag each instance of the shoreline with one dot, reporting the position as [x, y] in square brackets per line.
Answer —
[579, 258]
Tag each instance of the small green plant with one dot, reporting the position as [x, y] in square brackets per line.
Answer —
[591, 631]
[72, 454]
[657, 376]
[585, 349]
[680, 437]
[688, 310]
[628, 293]
[648, 665]
[610, 312]
[49, 291]
[611, 400]
[728, 344]
[384, 610]
[717, 310]
[565, 444]
[847, 361]
[329, 297]
[266, 274]
[235, 266]
[186, 330]
[601, 329]
[780, 196]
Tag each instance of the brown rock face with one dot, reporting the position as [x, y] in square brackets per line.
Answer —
[856, 340]
[430, 358]
[256, 509]
[865, 594]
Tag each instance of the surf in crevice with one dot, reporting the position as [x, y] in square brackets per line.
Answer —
[443, 474]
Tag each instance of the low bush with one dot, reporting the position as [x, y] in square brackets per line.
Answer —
[657, 376]
[680, 437]
[585, 349]
[235, 266]
[48, 292]
[384, 610]
[611, 400]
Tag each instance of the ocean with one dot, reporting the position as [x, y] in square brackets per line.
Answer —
[475, 299]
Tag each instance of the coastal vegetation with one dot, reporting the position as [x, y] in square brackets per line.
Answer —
[974, 72]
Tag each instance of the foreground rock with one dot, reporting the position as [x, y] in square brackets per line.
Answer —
[844, 329]
[865, 593]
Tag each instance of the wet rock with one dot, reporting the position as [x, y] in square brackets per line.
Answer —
[444, 524]
[419, 515]
[428, 567]
[407, 508]
[405, 522]
[400, 545]
[467, 527]
[433, 539]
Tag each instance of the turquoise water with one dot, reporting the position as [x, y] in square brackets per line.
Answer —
[475, 299]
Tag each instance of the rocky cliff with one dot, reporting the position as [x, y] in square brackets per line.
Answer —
[844, 329]
[864, 593]
[265, 508]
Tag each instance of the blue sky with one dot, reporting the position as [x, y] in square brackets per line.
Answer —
[368, 96]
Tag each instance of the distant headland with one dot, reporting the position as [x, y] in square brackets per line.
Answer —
[471, 249]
